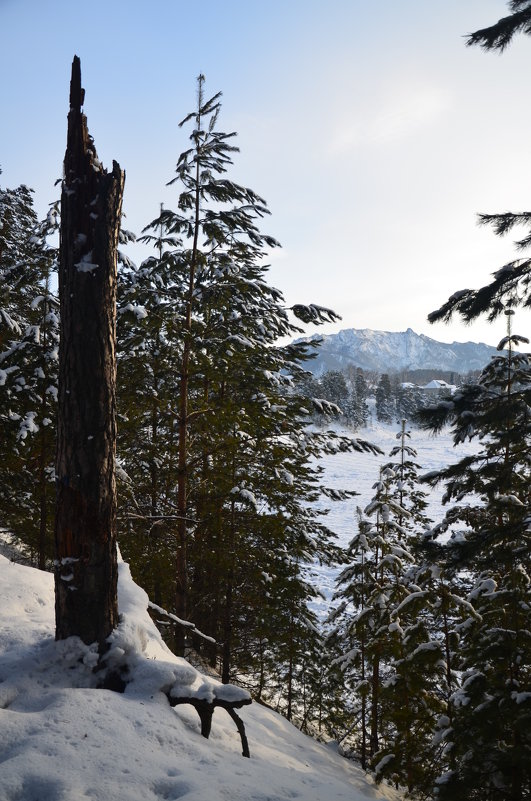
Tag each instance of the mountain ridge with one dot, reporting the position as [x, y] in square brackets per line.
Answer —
[394, 351]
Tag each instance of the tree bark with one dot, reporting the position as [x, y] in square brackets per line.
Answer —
[85, 524]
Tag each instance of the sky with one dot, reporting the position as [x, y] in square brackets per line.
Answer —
[373, 132]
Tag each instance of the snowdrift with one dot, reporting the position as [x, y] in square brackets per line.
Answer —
[63, 740]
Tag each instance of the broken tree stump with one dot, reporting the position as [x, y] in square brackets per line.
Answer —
[85, 523]
[235, 699]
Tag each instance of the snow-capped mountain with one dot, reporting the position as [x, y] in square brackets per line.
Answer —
[391, 351]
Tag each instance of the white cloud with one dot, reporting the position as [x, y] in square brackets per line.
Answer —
[401, 112]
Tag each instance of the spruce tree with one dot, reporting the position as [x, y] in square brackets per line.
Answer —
[370, 587]
[211, 324]
[19, 254]
[28, 373]
[407, 484]
[492, 708]
[362, 411]
[334, 387]
[385, 407]
[386, 637]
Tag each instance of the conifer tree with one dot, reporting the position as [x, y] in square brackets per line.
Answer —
[334, 387]
[410, 655]
[370, 587]
[28, 373]
[385, 407]
[407, 484]
[211, 324]
[18, 255]
[491, 709]
[385, 637]
[362, 411]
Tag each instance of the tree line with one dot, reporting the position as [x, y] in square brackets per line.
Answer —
[362, 395]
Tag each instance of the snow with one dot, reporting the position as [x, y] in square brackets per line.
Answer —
[383, 762]
[28, 425]
[139, 311]
[86, 265]
[359, 471]
[389, 351]
[521, 698]
[63, 740]
[439, 384]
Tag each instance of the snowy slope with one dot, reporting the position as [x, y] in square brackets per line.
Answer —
[62, 740]
[391, 351]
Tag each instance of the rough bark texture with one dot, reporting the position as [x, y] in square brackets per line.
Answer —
[85, 524]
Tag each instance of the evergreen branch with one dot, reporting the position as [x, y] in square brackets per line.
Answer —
[314, 314]
[499, 35]
[511, 284]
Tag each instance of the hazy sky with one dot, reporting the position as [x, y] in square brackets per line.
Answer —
[374, 134]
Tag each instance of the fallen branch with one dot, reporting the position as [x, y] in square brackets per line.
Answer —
[184, 623]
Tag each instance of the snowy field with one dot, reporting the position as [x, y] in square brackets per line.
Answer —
[63, 740]
[360, 471]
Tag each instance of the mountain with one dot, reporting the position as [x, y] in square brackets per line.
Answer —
[391, 351]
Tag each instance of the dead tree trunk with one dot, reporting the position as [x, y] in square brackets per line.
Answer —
[85, 523]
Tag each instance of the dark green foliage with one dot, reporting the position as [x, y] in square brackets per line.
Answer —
[198, 320]
[334, 388]
[365, 635]
[406, 486]
[499, 35]
[491, 710]
[408, 400]
[511, 285]
[385, 405]
[18, 224]
[29, 333]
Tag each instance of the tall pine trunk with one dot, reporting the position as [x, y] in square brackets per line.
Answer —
[181, 561]
[85, 524]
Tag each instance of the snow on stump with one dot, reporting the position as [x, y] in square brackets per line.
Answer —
[206, 698]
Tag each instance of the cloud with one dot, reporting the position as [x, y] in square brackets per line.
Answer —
[402, 112]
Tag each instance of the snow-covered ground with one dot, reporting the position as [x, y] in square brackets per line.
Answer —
[63, 740]
[360, 471]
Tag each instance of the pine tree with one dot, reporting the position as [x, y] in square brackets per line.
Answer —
[28, 373]
[500, 35]
[18, 254]
[361, 390]
[408, 400]
[371, 586]
[410, 704]
[250, 525]
[334, 388]
[492, 708]
[387, 635]
[148, 341]
[385, 407]
[407, 485]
